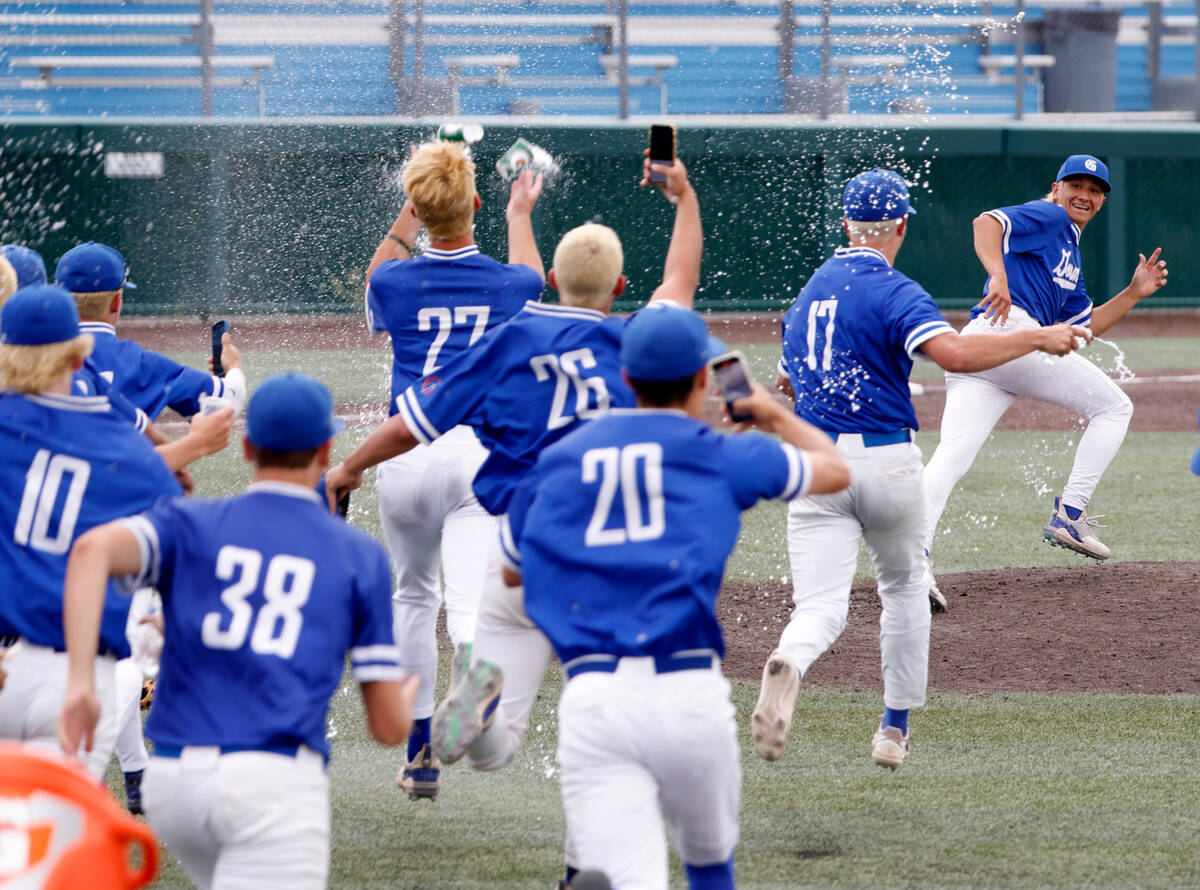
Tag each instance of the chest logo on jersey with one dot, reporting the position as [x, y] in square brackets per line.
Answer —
[1066, 273]
[429, 384]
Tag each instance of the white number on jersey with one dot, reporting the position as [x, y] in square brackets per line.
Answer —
[286, 588]
[42, 482]
[567, 370]
[445, 324]
[821, 309]
[617, 468]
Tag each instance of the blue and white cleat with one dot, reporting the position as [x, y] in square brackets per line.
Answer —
[421, 777]
[1074, 534]
[467, 711]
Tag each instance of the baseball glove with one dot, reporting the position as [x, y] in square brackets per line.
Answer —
[147, 693]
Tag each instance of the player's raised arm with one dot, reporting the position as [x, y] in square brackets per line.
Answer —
[989, 247]
[1148, 276]
[681, 271]
[967, 353]
[101, 553]
[522, 246]
[397, 244]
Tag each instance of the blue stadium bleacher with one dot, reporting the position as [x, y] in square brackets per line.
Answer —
[330, 58]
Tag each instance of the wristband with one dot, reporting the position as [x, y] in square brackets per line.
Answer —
[401, 242]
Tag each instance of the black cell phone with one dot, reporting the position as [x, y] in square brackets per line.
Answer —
[733, 380]
[343, 507]
[218, 330]
[662, 148]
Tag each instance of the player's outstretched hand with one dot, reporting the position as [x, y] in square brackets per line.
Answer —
[1061, 339]
[677, 184]
[211, 431]
[339, 481]
[526, 189]
[997, 301]
[77, 720]
[231, 356]
[1149, 274]
[765, 409]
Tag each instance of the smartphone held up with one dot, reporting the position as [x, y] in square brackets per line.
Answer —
[662, 148]
[733, 381]
[219, 330]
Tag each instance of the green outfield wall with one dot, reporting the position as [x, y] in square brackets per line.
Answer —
[283, 216]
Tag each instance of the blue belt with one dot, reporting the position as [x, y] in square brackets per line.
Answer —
[176, 751]
[663, 664]
[874, 440]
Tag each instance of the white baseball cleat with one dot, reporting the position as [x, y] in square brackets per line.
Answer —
[1074, 534]
[772, 717]
[889, 747]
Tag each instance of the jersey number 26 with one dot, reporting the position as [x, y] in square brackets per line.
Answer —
[591, 393]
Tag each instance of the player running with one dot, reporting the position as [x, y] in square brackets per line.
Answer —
[849, 342]
[433, 307]
[67, 463]
[623, 580]
[1035, 278]
[264, 596]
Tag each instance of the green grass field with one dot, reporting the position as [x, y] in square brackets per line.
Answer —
[1001, 790]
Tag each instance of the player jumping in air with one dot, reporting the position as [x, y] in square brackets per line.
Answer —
[623, 579]
[849, 342]
[264, 596]
[434, 307]
[1035, 278]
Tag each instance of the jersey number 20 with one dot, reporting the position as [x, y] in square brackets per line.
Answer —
[617, 470]
[277, 625]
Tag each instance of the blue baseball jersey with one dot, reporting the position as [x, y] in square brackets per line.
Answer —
[1042, 262]
[524, 386]
[849, 342]
[621, 531]
[264, 595]
[437, 304]
[147, 379]
[67, 464]
[87, 382]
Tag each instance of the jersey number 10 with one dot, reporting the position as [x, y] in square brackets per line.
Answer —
[277, 626]
[42, 482]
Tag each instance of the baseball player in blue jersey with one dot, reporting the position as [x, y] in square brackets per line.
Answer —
[849, 342]
[1031, 255]
[67, 463]
[264, 596]
[97, 277]
[433, 307]
[623, 580]
[523, 387]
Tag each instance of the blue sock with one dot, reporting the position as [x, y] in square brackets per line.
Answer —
[571, 872]
[711, 877]
[1073, 513]
[898, 719]
[419, 737]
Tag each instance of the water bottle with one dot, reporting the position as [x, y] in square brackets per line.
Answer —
[456, 132]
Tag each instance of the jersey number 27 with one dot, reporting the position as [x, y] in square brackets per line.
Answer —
[445, 324]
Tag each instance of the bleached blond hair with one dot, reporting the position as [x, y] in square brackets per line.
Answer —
[94, 306]
[8, 280]
[31, 369]
[872, 229]
[587, 263]
[440, 181]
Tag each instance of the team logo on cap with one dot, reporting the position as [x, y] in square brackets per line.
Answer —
[429, 384]
[1090, 164]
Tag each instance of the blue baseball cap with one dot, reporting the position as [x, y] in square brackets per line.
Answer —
[91, 268]
[664, 341]
[291, 412]
[39, 315]
[876, 195]
[26, 262]
[1085, 165]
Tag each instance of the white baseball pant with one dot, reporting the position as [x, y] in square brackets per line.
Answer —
[250, 820]
[637, 747]
[32, 698]
[505, 636]
[976, 402]
[883, 507]
[131, 743]
[431, 522]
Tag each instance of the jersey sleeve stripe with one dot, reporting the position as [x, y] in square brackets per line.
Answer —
[382, 652]
[1082, 318]
[509, 553]
[218, 386]
[149, 554]
[799, 473]
[372, 672]
[1001, 217]
[141, 420]
[924, 332]
[414, 418]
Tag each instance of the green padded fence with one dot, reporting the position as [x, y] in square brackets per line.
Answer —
[283, 216]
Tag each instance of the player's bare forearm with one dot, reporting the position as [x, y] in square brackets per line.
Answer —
[967, 353]
[97, 555]
[207, 435]
[681, 271]
[388, 705]
[1104, 317]
[405, 227]
[389, 439]
[783, 383]
[1149, 275]
[522, 245]
[989, 244]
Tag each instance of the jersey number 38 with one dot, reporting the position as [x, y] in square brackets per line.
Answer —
[286, 588]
